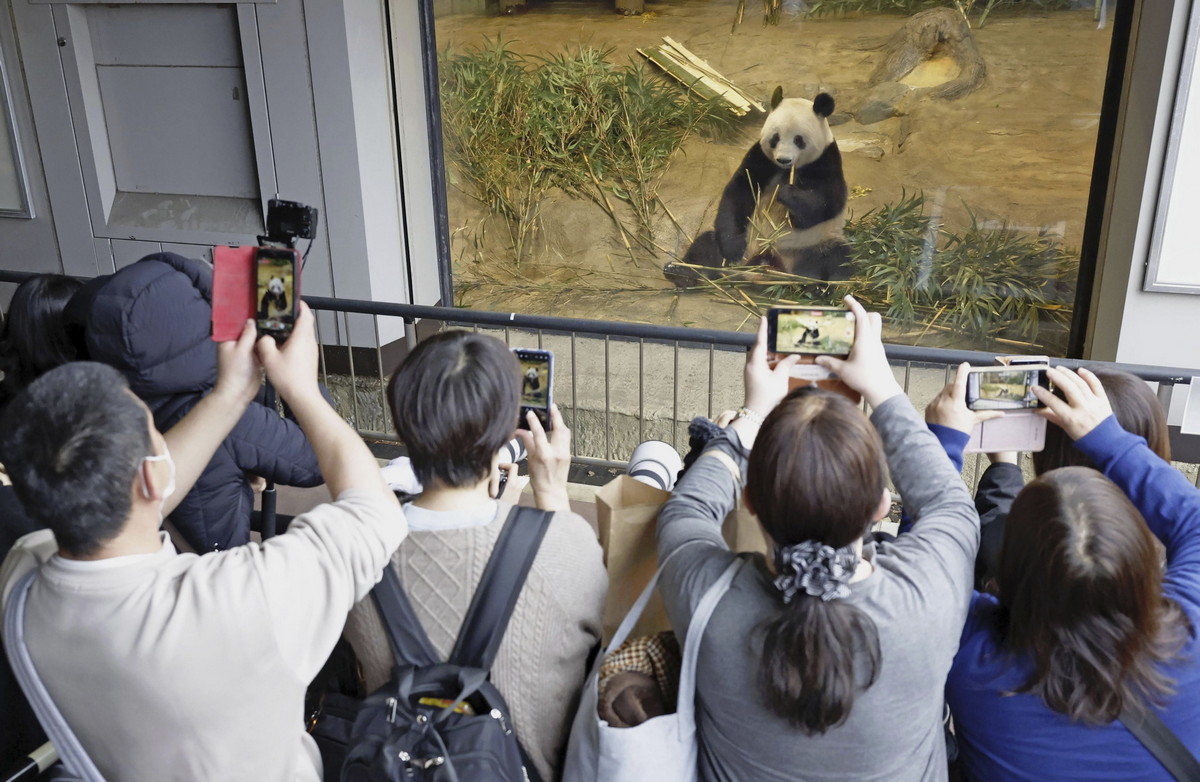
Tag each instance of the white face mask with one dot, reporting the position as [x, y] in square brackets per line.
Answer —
[170, 489]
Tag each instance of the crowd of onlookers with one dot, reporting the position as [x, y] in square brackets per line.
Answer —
[1032, 631]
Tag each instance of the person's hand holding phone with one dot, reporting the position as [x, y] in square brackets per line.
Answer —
[949, 407]
[292, 367]
[866, 370]
[239, 375]
[765, 386]
[1085, 404]
[549, 459]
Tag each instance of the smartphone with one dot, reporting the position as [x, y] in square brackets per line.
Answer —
[537, 381]
[1004, 388]
[277, 290]
[816, 331]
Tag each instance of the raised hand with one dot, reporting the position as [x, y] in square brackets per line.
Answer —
[549, 460]
[949, 407]
[293, 367]
[866, 370]
[1085, 404]
[766, 386]
[239, 375]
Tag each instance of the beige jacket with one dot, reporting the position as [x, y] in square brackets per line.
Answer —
[542, 660]
[177, 667]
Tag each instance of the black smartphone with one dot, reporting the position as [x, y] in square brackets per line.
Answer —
[1005, 388]
[276, 290]
[815, 331]
[537, 382]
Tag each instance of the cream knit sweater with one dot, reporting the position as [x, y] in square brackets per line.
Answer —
[542, 660]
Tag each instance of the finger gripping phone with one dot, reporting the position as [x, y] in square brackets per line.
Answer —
[537, 381]
[1004, 388]
[813, 331]
[277, 290]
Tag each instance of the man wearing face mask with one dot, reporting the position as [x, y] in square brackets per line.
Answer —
[174, 666]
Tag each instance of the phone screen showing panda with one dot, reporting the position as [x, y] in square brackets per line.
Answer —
[276, 289]
[537, 377]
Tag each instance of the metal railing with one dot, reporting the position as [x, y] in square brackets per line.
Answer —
[618, 383]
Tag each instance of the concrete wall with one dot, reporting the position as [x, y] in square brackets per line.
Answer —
[312, 118]
[1129, 324]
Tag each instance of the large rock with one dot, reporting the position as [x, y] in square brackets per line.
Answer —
[883, 102]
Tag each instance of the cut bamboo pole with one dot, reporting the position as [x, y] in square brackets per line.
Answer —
[693, 81]
[706, 68]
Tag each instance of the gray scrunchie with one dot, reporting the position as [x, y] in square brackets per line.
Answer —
[815, 569]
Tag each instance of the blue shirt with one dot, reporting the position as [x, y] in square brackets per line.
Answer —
[1018, 737]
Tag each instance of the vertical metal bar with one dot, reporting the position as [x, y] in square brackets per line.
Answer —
[321, 353]
[539, 333]
[675, 401]
[353, 376]
[607, 424]
[712, 372]
[641, 391]
[384, 409]
[907, 376]
[508, 336]
[574, 396]
[410, 334]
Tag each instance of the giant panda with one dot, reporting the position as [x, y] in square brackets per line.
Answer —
[794, 166]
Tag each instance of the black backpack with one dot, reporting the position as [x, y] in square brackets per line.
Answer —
[445, 721]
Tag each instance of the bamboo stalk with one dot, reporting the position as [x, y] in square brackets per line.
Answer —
[704, 66]
[697, 83]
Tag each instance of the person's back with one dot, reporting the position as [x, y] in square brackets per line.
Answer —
[455, 402]
[174, 666]
[151, 320]
[1085, 624]
[830, 664]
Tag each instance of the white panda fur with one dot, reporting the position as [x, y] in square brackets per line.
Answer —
[795, 158]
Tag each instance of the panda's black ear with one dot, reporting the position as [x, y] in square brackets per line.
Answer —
[776, 97]
[823, 105]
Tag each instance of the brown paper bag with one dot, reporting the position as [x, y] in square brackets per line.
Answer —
[626, 513]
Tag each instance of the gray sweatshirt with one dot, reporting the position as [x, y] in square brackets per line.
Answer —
[917, 597]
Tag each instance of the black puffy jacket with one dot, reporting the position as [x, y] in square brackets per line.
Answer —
[151, 320]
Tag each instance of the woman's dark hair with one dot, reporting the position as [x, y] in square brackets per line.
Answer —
[455, 401]
[34, 339]
[816, 473]
[1081, 596]
[1137, 410]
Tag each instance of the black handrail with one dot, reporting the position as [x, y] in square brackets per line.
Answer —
[622, 329]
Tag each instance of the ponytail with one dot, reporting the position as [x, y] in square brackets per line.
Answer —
[815, 478]
[821, 652]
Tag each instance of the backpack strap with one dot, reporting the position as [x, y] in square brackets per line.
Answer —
[74, 756]
[410, 643]
[496, 596]
[1148, 728]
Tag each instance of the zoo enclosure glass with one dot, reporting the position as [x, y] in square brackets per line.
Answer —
[583, 157]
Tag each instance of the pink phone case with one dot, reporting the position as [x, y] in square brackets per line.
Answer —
[233, 291]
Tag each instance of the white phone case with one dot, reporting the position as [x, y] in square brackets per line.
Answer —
[1020, 430]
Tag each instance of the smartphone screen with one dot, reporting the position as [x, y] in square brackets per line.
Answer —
[1004, 388]
[537, 377]
[818, 331]
[276, 290]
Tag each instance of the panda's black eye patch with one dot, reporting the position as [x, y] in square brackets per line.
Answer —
[774, 140]
[799, 141]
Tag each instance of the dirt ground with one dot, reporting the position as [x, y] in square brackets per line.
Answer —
[1018, 151]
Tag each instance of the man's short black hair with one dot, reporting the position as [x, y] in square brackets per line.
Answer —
[455, 401]
[72, 443]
